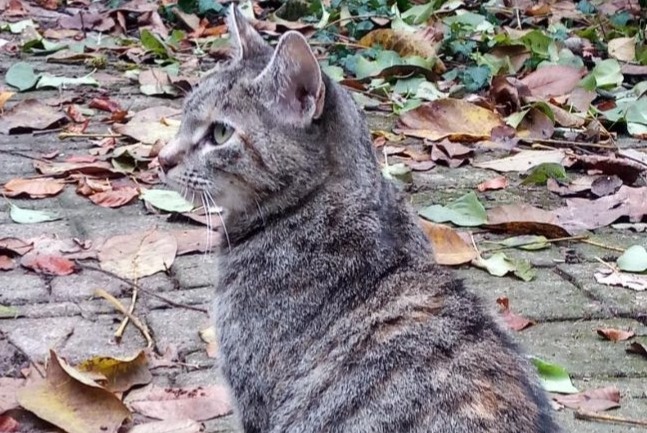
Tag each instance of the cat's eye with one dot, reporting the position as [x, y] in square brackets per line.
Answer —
[221, 133]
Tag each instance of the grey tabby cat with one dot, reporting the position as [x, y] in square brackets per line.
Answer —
[330, 313]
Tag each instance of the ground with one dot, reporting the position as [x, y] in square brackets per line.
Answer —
[62, 313]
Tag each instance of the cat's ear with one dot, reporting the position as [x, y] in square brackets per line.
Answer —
[292, 80]
[245, 40]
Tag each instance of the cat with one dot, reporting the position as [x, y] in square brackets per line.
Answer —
[330, 313]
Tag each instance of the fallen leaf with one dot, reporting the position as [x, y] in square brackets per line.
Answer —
[581, 214]
[623, 49]
[4, 97]
[28, 115]
[595, 400]
[500, 265]
[8, 312]
[172, 426]
[119, 375]
[499, 182]
[452, 154]
[15, 245]
[552, 81]
[8, 424]
[447, 245]
[615, 334]
[48, 264]
[574, 187]
[198, 404]
[605, 185]
[553, 377]
[540, 174]
[464, 211]
[138, 255]
[455, 119]
[62, 169]
[634, 259]
[626, 169]
[630, 281]
[166, 200]
[105, 104]
[638, 349]
[420, 165]
[34, 188]
[523, 161]
[402, 42]
[208, 335]
[195, 240]
[514, 321]
[115, 197]
[21, 75]
[524, 242]
[522, 219]
[6, 263]
[73, 402]
[536, 125]
[8, 389]
[28, 216]
[156, 82]
[151, 124]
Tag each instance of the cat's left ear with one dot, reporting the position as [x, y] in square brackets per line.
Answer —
[293, 81]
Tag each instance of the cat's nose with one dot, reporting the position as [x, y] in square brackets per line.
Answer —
[169, 157]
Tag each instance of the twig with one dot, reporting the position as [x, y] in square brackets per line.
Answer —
[63, 135]
[601, 245]
[590, 416]
[608, 265]
[119, 306]
[122, 327]
[46, 131]
[142, 289]
[567, 143]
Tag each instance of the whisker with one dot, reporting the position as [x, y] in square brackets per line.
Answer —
[222, 221]
[204, 200]
[260, 213]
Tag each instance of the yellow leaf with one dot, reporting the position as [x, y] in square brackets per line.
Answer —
[73, 401]
[447, 245]
[4, 97]
[455, 119]
[119, 375]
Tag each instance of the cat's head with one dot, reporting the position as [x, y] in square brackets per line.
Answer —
[261, 129]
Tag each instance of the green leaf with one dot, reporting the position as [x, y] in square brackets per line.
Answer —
[21, 76]
[607, 73]
[153, 44]
[498, 264]
[541, 173]
[419, 14]
[20, 26]
[399, 171]
[537, 42]
[475, 78]
[634, 259]
[47, 80]
[553, 377]
[28, 216]
[465, 211]
[525, 242]
[336, 73]
[169, 201]
[8, 312]
[524, 270]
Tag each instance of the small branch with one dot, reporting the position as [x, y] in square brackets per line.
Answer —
[64, 135]
[119, 306]
[601, 245]
[601, 417]
[122, 327]
[567, 143]
[608, 265]
[142, 289]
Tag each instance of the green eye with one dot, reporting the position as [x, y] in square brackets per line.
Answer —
[222, 133]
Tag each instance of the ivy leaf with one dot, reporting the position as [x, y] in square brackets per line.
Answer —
[465, 211]
[553, 377]
[169, 201]
[21, 76]
[153, 44]
[548, 170]
[634, 259]
[28, 216]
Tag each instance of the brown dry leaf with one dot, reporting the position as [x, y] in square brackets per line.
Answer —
[523, 219]
[452, 154]
[626, 169]
[119, 375]
[623, 49]
[536, 124]
[447, 245]
[577, 186]
[196, 240]
[84, 20]
[517, 54]
[115, 197]
[499, 182]
[7, 263]
[72, 401]
[87, 186]
[581, 214]
[581, 99]
[48, 264]
[177, 426]
[514, 321]
[28, 115]
[615, 334]
[8, 424]
[523, 161]
[420, 165]
[34, 188]
[505, 95]
[197, 404]
[638, 349]
[605, 185]
[552, 81]
[152, 124]
[608, 277]
[8, 389]
[16, 246]
[594, 400]
[402, 42]
[455, 119]
[138, 255]
[566, 118]
[62, 169]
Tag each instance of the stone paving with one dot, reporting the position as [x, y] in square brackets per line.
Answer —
[61, 312]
